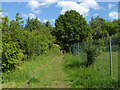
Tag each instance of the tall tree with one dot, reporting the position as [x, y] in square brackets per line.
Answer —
[47, 24]
[97, 24]
[71, 28]
[111, 27]
[33, 24]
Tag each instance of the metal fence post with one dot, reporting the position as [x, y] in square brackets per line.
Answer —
[110, 58]
[78, 49]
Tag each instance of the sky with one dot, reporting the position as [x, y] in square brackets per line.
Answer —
[50, 9]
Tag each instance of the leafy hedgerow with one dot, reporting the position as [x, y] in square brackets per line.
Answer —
[20, 43]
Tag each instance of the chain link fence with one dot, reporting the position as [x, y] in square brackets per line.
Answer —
[102, 61]
[78, 49]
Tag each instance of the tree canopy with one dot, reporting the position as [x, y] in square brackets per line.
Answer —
[97, 24]
[103, 28]
[71, 28]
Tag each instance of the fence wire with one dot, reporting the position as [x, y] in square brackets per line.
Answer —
[103, 59]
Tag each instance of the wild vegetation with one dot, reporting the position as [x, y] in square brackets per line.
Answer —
[28, 47]
[95, 76]
[22, 42]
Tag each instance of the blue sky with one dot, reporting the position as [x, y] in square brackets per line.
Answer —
[51, 9]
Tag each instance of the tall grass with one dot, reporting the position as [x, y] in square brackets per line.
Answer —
[96, 76]
[19, 76]
[73, 61]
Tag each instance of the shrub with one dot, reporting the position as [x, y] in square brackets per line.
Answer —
[10, 43]
[21, 43]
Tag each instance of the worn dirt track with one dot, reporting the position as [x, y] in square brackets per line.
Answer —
[56, 73]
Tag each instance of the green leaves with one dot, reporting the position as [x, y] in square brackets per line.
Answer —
[103, 28]
[20, 43]
[111, 27]
[71, 28]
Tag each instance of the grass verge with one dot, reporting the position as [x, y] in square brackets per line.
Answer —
[95, 76]
[17, 78]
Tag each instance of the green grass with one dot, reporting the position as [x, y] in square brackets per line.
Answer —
[52, 76]
[103, 63]
[66, 73]
[18, 78]
[95, 76]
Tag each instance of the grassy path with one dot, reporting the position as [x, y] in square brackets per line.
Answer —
[51, 76]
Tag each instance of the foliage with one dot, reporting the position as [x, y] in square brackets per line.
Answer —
[103, 28]
[97, 24]
[55, 49]
[24, 72]
[11, 52]
[71, 28]
[33, 24]
[47, 24]
[93, 49]
[90, 77]
[20, 43]
[111, 27]
[36, 39]
[73, 61]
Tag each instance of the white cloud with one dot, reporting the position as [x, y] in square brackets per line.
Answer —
[49, 1]
[1, 14]
[82, 8]
[51, 20]
[114, 15]
[31, 15]
[39, 19]
[33, 4]
[68, 5]
[37, 11]
[45, 20]
[96, 14]
[85, 15]
[67, 0]
[110, 6]
[90, 4]
[6, 14]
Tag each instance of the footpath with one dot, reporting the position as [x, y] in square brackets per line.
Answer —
[50, 75]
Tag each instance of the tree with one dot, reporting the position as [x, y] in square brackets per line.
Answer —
[33, 24]
[47, 24]
[111, 27]
[71, 28]
[97, 24]
[11, 52]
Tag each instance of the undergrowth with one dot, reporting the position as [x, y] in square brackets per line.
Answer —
[22, 73]
[87, 77]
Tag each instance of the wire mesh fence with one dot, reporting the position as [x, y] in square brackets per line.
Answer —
[102, 61]
[78, 49]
